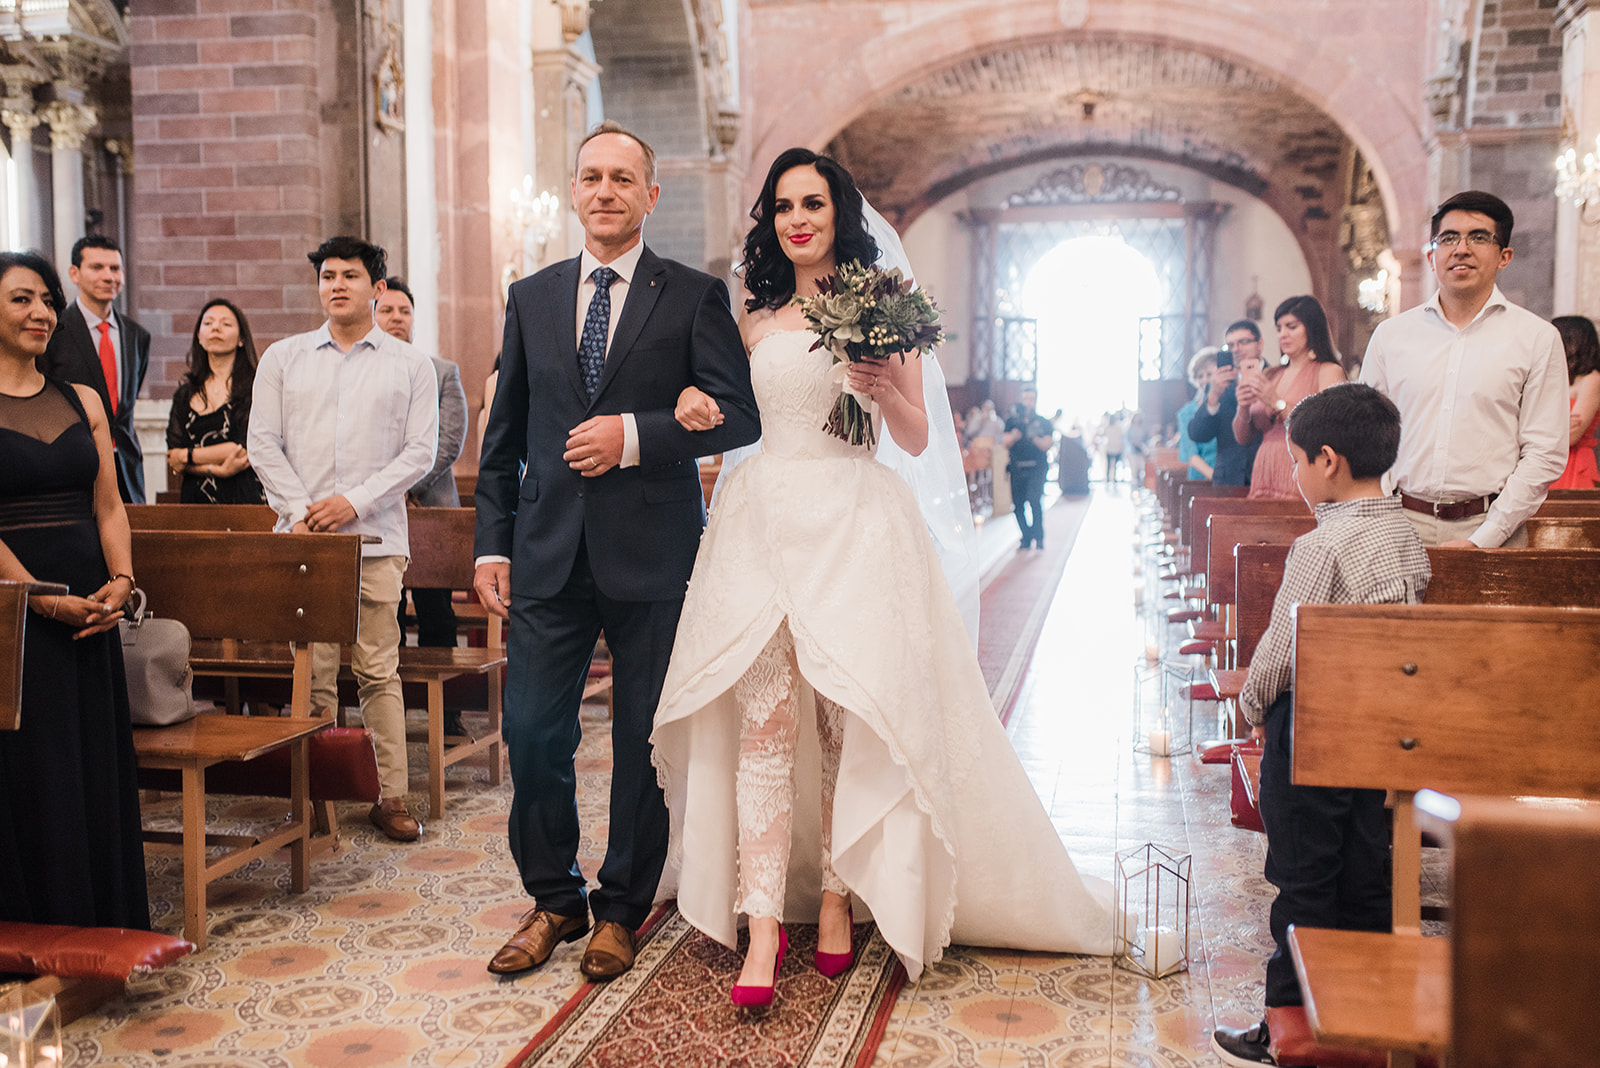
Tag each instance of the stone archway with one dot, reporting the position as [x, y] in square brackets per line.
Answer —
[814, 87]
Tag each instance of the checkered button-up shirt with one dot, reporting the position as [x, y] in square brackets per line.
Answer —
[1364, 551]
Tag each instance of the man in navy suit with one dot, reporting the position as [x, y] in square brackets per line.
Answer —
[98, 347]
[599, 533]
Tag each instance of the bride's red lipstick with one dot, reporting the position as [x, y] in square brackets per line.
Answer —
[800, 239]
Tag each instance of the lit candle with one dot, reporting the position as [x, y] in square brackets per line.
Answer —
[1163, 950]
[1160, 743]
[1152, 653]
[1138, 596]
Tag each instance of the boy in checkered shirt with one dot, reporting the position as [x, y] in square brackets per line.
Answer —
[1327, 848]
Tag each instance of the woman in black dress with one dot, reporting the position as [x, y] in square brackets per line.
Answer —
[70, 845]
[211, 411]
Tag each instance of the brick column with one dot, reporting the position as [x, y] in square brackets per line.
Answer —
[227, 193]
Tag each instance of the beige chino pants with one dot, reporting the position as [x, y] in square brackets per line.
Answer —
[375, 660]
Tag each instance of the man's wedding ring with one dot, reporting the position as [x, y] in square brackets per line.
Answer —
[591, 463]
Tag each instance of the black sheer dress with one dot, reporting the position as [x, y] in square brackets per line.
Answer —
[70, 845]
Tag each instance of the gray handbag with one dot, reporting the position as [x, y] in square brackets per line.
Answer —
[155, 657]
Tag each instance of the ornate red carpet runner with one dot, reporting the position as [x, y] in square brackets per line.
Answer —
[673, 1008]
[1014, 602]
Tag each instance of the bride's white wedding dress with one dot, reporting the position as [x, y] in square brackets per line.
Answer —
[936, 829]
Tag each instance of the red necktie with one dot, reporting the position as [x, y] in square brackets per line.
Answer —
[108, 364]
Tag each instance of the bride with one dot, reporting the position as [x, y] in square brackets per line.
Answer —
[825, 737]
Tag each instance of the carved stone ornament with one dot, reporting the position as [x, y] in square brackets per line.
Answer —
[1094, 183]
[69, 124]
[574, 18]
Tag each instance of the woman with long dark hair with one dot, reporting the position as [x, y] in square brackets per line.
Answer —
[211, 411]
[1579, 338]
[71, 850]
[825, 736]
[1309, 365]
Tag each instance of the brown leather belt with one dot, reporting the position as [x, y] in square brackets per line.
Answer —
[1453, 510]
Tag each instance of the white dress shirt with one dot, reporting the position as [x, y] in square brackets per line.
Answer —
[1482, 409]
[94, 322]
[363, 424]
[624, 265]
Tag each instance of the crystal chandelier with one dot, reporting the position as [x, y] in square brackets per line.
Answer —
[1581, 185]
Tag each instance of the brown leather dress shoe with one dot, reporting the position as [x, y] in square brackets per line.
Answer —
[610, 951]
[536, 939]
[393, 818]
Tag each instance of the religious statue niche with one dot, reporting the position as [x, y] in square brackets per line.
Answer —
[389, 78]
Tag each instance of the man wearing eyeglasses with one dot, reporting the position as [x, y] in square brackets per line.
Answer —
[1481, 385]
[1213, 419]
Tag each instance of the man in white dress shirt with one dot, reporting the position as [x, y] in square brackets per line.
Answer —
[344, 420]
[1481, 385]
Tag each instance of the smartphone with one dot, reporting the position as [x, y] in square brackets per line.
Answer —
[1224, 359]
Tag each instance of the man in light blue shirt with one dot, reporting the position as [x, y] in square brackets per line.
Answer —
[344, 421]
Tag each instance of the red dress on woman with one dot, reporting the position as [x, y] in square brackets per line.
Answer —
[1582, 472]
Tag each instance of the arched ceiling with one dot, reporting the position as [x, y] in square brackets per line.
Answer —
[1036, 100]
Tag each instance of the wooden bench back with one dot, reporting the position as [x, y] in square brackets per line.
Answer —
[441, 548]
[1230, 531]
[1486, 699]
[1155, 461]
[1258, 572]
[1550, 578]
[1573, 495]
[250, 586]
[246, 517]
[1568, 508]
[13, 617]
[1203, 508]
[1525, 930]
[1197, 489]
[1564, 533]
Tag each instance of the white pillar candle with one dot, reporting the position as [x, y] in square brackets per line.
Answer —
[1160, 743]
[1152, 653]
[1163, 949]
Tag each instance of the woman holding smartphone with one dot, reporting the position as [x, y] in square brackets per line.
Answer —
[1310, 365]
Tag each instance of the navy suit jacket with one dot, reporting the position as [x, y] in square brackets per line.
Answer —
[74, 355]
[640, 525]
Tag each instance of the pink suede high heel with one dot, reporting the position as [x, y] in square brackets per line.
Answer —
[832, 964]
[759, 997]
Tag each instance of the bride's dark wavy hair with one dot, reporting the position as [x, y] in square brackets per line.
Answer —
[768, 273]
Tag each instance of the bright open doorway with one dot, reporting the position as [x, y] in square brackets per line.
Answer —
[1088, 294]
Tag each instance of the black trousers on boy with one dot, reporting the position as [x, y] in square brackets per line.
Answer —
[1327, 853]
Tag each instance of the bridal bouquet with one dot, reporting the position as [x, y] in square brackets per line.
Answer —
[867, 313]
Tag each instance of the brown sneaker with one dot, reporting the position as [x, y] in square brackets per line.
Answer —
[536, 939]
[392, 818]
[610, 951]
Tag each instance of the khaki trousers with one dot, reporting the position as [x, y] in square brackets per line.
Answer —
[1434, 531]
[375, 660]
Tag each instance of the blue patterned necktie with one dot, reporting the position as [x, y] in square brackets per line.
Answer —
[596, 324]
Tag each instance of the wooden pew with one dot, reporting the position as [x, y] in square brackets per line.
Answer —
[1525, 929]
[441, 558]
[249, 517]
[234, 591]
[1551, 578]
[1406, 697]
[1564, 532]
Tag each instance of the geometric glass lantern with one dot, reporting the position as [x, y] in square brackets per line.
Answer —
[1162, 705]
[1150, 930]
[30, 1031]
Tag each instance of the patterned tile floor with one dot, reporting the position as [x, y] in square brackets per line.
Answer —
[381, 962]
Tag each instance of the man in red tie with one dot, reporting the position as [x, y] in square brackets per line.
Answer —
[99, 347]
